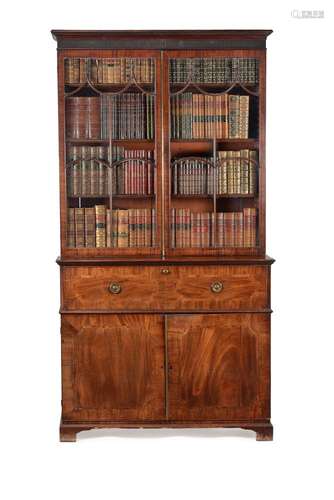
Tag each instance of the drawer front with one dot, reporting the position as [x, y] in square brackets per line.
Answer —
[89, 288]
[215, 288]
[166, 288]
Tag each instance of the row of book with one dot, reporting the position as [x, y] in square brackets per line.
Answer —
[195, 116]
[98, 227]
[131, 116]
[214, 70]
[88, 176]
[115, 70]
[199, 230]
[83, 118]
[237, 172]
[234, 174]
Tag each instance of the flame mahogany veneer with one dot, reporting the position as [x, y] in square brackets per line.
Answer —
[185, 341]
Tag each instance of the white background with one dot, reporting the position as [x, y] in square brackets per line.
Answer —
[169, 464]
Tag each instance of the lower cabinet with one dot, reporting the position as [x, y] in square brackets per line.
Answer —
[218, 367]
[151, 367]
[113, 367]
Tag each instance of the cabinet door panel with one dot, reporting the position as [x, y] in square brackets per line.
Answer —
[218, 367]
[113, 367]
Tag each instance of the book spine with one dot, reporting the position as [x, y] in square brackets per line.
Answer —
[100, 226]
[123, 229]
[79, 227]
[71, 227]
[90, 227]
[108, 228]
[243, 116]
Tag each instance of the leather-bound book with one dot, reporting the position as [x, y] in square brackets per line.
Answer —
[79, 227]
[233, 116]
[90, 227]
[93, 118]
[108, 228]
[70, 228]
[229, 229]
[100, 225]
[243, 114]
[123, 229]
[238, 229]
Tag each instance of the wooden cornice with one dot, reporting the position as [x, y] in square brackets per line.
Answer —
[161, 39]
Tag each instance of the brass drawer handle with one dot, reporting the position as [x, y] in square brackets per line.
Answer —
[165, 271]
[216, 286]
[114, 288]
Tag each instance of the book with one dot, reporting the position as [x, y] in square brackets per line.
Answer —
[100, 225]
[82, 115]
[79, 216]
[203, 229]
[90, 230]
[70, 227]
[205, 116]
[214, 70]
[88, 173]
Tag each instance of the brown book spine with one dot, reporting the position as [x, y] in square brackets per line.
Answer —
[90, 227]
[123, 229]
[238, 229]
[79, 227]
[70, 228]
[252, 171]
[229, 229]
[132, 228]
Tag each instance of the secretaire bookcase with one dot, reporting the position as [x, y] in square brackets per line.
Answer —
[165, 283]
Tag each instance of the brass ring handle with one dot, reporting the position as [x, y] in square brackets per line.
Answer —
[165, 271]
[216, 286]
[114, 288]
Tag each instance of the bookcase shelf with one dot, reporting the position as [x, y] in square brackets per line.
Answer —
[211, 196]
[120, 196]
[135, 143]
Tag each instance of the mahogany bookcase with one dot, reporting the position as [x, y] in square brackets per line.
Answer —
[165, 283]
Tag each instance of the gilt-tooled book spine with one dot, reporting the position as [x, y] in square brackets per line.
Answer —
[132, 228]
[243, 116]
[252, 171]
[220, 229]
[238, 229]
[123, 229]
[237, 172]
[230, 172]
[100, 225]
[79, 227]
[234, 116]
[90, 227]
[108, 228]
[244, 171]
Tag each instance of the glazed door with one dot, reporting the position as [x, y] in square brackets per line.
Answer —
[218, 367]
[113, 367]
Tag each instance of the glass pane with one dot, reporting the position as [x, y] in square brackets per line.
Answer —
[110, 152]
[214, 105]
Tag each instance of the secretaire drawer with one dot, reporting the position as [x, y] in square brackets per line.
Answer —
[132, 288]
[166, 288]
[214, 288]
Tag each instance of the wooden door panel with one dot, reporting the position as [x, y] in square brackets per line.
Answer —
[218, 367]
[113, 367]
